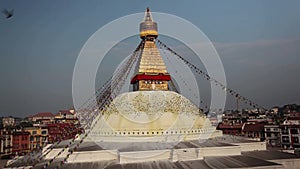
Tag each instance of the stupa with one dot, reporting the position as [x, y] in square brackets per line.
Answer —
[151, 112]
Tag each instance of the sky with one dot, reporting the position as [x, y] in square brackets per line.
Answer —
[257, 41]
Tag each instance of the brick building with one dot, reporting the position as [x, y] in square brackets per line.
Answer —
[20, 142]
[232, 129]
[62, 131]
[254, 130]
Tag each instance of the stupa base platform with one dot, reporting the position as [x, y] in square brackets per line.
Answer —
[134, 152]
[124, 153]
[218, 152]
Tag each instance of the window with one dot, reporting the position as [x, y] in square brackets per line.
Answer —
[34, 132]
[268, 134]
[285, 131]
[268, 129]
[285, 139]
[295, 139]
[44, 132]
[294, 131]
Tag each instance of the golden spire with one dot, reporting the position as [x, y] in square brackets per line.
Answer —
[151, 70]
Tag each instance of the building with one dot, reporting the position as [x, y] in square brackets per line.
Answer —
[231, 129]
[290, 136]
[231, 117]
[254, 130]
[38, 136]
[20, 142]
[294, 114]
[290, 133]
[8, 121]
[6, 141]
[214, 121]
[44, 117]
[66, 116]
[272, 135]
[62, 131]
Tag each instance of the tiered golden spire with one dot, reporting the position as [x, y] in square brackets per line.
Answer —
[151, 70]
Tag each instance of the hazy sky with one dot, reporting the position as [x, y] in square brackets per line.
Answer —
[258, 42]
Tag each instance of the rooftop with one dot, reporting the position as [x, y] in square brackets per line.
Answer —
[42, 114]
[270, 155]
[67, 112]
[253, 127]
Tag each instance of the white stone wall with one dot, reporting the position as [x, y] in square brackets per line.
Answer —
[182, 154]
[142, 156]
[185, 154]
[219, 151]
[92, 156]
[252, 146]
